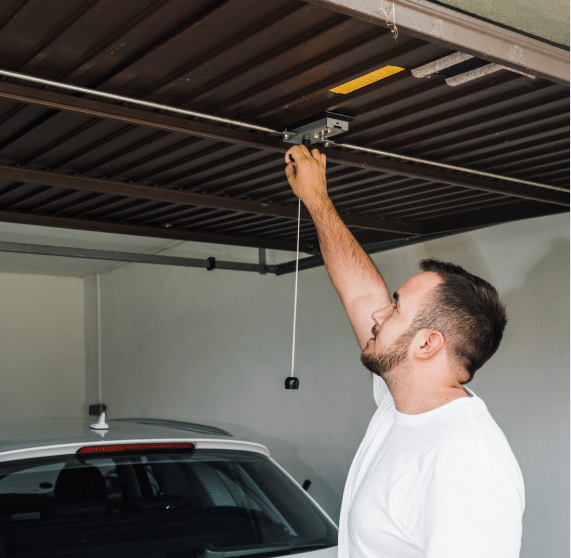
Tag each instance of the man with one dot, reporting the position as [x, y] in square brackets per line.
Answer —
[434, 476]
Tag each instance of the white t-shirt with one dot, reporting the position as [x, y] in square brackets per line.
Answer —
[441, 484]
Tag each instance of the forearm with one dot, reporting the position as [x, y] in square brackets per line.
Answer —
[353, 274]
[355, 277]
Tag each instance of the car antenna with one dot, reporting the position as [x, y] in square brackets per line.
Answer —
[100, 424]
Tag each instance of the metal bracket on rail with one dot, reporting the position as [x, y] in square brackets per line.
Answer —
[318, 129]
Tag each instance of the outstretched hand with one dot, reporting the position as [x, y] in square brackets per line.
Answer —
[307, 175]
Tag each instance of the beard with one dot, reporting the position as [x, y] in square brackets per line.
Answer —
[382, 363]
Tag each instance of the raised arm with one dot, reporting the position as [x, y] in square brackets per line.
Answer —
[354, 276]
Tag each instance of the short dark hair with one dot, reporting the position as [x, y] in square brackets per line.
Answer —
[469, 313]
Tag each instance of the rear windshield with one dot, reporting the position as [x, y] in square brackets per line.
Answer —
[209, 503]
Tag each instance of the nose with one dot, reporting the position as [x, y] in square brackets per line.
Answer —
[380, 315]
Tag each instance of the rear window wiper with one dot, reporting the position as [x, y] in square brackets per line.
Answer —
[210, 551]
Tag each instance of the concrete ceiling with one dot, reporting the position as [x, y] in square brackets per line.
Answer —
[546, 20]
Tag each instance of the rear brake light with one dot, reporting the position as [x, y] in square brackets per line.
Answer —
[138, 448]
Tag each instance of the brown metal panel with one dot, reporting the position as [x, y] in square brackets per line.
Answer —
[195, 27]
[490, 144]
[524, 151]
[355, 65]
[290, 16]
[83, 11]
[446, 106]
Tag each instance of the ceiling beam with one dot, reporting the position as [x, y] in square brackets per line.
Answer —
[134, 230]
[195, 200]
[460, 223]
[373, 248]
[462, 32]
[449, 227]
[266, 142]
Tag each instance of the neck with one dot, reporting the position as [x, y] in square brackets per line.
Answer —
[418, 391]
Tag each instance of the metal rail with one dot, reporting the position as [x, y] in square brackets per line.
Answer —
[240, 124]
[148, 104]
[445, 166]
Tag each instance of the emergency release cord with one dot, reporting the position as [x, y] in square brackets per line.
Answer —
[292, 382]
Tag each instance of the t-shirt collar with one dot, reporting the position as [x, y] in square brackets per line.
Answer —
[403, 418]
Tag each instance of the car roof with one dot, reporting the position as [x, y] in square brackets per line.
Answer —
[23, 438]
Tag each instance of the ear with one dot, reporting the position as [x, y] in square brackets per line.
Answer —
[427, 343]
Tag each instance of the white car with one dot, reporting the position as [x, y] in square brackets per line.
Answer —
[142, 488]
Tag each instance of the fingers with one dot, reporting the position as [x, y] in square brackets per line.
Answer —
[288, 154]
[299, 151]
[291, 157]
[290, 171]
[293, 152]
[296, 152]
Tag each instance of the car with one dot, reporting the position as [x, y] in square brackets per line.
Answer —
[149, 488]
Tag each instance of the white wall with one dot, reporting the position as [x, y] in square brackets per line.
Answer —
[42, 354]
[216, 347]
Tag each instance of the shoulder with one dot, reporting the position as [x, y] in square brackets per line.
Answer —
[472, 444]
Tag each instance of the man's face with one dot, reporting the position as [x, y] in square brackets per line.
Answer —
[393, 331]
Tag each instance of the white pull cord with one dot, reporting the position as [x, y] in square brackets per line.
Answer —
[295, 290]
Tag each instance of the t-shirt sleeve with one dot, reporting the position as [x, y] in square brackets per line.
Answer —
[380, 389]
[473, 517]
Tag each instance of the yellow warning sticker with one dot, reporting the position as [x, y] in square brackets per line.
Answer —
[363, 81]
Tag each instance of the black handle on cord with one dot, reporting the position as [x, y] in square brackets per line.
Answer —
[291, 382]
